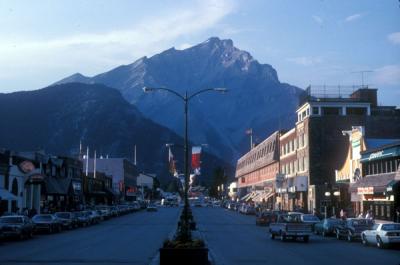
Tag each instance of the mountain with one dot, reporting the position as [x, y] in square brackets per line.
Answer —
[58, 117]
[256, 98]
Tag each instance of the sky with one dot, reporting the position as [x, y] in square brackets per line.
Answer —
[308, 42]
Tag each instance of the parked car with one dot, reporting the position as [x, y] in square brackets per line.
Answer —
[382, 235]
[16, 226]
[136, 206]
[249, 210]
[265, 218]
[352, 228]
[114, 211]
[67, 219]
[83, 218]
[105, 211]
[94, 217]
[327, 226]
[310, 219]
[151, 208]
[47, 222]
[290, 226]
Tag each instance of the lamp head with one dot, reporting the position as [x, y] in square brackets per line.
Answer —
[148, 89]
[221, 89]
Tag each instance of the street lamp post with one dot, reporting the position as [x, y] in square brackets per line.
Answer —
[186, 98]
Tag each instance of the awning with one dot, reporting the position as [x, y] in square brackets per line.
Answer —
[373, 183]
[7, 196]
[245, 197]
[57, 186]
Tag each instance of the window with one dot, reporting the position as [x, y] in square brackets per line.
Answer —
[308, 112]
[356, 111]
[331, 111]
[315, 111]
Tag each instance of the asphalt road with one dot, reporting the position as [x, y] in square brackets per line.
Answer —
[130, 239]
[234, 239]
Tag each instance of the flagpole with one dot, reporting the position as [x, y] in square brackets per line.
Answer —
[87, 161]
[94, 166]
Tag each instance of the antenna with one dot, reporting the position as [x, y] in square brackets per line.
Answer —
[362, 75]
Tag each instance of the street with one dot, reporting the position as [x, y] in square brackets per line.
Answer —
[234, 239]
[129, 239]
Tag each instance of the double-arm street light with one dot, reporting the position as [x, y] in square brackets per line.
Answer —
[186, 98]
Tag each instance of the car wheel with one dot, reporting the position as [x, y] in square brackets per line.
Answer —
[364, 240]
[271, 235]
[21, 236]
[337, 234]
[59, 228]
[283, 237]
[349, 236]
[30, 234]
[305, 239]
[379, 243]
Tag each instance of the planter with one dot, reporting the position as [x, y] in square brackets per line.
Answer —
[178, 256]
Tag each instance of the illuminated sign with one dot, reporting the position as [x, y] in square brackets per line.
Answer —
[365, 190]
[26, 166]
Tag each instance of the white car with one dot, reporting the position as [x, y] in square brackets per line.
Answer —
[382, 235]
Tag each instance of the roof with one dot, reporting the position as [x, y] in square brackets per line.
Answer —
[57, 185]
[378, 181]
[373, 143]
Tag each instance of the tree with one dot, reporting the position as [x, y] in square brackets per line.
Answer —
[219, 177]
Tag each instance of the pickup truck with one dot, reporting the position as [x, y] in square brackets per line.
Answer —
[290, 226]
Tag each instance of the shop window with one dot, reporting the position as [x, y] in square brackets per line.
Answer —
[376, 210]
[388, 211]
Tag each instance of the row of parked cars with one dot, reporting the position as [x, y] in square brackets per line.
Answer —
[299, 225]
[295, 225]
[20, 226]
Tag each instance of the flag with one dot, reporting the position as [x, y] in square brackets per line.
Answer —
[171, 162]
[249, 131]
[196, 151]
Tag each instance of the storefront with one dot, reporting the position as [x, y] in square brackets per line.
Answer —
[292, 193]
[379, 190]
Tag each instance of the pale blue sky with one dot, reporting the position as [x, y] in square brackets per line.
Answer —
[307, 42]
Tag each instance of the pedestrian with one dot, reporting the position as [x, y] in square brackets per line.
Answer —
[361, 215]
[342, 214]
[26, 212]
[369, 215]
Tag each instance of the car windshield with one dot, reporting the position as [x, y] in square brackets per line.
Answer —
[11, 220]
[45, 217]
[390, 227]
[359, 222]
[334, 221]
[310, 218]
[63, 215]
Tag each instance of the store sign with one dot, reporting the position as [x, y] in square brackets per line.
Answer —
[131, 191]
[365, 190]
[375, 155]
[26, 166]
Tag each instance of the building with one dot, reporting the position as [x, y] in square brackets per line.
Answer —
[352, 170]
[292, 184]
[379, 190]
[322, 117]
[98, 189]
[232, 190]
[123, 172]
[256, 171]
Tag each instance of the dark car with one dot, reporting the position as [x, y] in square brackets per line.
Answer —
[83, 218]
[47, 222]
[16, 226]
[327, 226]
[351, 229]
[67, 219]
[265, 218]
